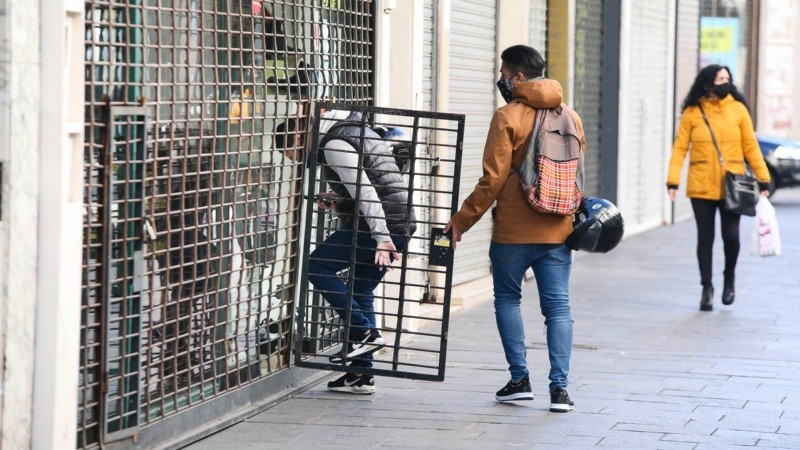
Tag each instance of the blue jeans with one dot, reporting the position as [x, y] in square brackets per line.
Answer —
[331, 257]
[551, 264]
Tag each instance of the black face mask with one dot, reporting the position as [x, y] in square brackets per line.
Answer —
[505, 88]
[721, 90]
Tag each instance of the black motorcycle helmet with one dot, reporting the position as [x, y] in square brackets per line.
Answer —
[597, 228]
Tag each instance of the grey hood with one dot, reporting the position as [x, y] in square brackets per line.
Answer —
[334, 116]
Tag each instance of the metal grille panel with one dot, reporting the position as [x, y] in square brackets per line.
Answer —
[415, 342]
[588, 79]
[192, 215]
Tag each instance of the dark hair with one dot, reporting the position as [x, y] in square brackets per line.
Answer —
[521, 58]
[703, 83]
[284, 129]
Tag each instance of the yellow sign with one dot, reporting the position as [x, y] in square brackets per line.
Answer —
[336, 4]
[716, 39]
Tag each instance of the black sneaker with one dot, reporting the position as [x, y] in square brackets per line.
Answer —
[520, 390]
[367, 343]
[353, 384]
[559, 401]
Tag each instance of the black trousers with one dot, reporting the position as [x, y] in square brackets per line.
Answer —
[705, 212]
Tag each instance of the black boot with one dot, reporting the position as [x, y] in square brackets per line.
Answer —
[728, 294]
[706, 298]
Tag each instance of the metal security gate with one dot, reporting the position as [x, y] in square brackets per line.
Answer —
[415, 344]
[588, 81]
[191, 214]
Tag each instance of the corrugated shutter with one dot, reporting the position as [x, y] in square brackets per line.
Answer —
[424, 193]
[427, 55]
[473, 72]
[644, 137]
[686, 57]
[538, 26]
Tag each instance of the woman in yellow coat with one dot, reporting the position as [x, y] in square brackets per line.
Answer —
[714, 93]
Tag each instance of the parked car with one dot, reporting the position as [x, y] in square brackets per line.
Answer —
[783, 159]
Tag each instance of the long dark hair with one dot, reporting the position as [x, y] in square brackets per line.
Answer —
[703, 83]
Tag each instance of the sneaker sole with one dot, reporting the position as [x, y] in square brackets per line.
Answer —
[512, 397]
[367, 348]
[364, 390]
[560, 408]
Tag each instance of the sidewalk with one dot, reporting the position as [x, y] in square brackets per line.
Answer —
[649, 370]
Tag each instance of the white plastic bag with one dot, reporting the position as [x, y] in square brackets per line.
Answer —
[766, 236]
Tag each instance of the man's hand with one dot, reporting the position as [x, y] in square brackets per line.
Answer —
[673, 194]
[327, 200]
[456, 232]
[385, 253]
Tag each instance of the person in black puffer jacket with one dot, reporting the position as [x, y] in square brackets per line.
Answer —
[371, 198]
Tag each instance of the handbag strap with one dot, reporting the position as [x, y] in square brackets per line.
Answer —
[713, 139]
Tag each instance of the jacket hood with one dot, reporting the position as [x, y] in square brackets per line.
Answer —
[334, 116]
[542, 93]
[706, 101]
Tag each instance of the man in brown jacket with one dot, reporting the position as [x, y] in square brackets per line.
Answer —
[521, 237]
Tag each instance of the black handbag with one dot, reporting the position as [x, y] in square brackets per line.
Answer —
[741, 190]
[741, 194]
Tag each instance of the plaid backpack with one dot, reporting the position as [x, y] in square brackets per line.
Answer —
[552, 171]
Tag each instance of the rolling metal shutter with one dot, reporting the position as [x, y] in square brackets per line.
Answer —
[538, 26]
[644, 138]
[686, 57]
[473, 72]
[428, 57]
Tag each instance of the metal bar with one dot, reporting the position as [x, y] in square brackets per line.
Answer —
[404, 263]
[123, 242]
[302, 263]
[449, 272]
[609, 104]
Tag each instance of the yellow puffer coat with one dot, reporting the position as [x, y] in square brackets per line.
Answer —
[733, 129]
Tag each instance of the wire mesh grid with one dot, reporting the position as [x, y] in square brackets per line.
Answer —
[192, 217]
[112, 172]
[588, 85]
[343, 293]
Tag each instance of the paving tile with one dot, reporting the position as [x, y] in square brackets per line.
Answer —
[642, 441]
[779, 440]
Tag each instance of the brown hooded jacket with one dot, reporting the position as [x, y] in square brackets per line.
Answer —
[514, 221]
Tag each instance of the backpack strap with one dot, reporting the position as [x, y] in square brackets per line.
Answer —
[537, 128]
